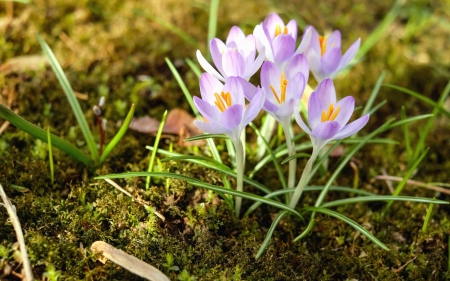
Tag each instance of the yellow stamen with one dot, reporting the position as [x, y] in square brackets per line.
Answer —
[223, 101]
[331, 113]
[278, 30]
[323, 45]
[283, 84]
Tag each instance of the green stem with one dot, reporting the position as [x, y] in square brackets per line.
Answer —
[304, 179]
[240, 173]
[291, 151]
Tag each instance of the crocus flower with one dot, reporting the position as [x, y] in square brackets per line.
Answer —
[279, 40]
[283, 89]
[324, 54]
[223, 106]
[236, 57]
[327, 118]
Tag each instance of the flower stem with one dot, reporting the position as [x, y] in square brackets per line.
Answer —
[291, 150]
[304, 179]
[238, 145]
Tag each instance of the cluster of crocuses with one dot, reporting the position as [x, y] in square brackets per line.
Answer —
[283, 77]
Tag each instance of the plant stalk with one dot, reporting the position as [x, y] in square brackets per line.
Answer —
[304, 179]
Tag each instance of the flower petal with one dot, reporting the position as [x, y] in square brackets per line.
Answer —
[211, 128]
[314, 109]
[208, 111]
[254, 107]
[350, 54]
[334, 40]
[283, 48]
[255, 65]
[301, 123]
[292, 28]
[295, 87]
[326, 130]
[209, 85]
[248, 88]
[306, 41]
[207, 67]
[232, 116]
[347, 106]
[352, 128]
[270, 77]
[298, 64]
[270, 24]
[232, 63]
[330, 61]
[234, 87]
[217, 47]
[262, 43]
[314, 43]
[235, 38]
[326, 93]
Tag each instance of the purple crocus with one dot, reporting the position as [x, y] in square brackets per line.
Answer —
[278, 40]
[283, 89]
[327, 118]
[324, 54]
[236, 57]
[223, 106]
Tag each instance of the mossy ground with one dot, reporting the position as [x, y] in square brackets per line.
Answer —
[105, 47]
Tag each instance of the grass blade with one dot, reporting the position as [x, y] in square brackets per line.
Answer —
[41, 134]
[206, 136]
[420, 97]
[349, 221]
[216, 166]
[71, 98]
[155, 147]
[374, 94]
[212, 23]
[123, 129]
[194, 67]
[50, 156]
[269, 234]
[372, 198]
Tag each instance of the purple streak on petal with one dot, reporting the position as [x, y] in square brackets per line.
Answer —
[254, 107]
[283, 48]
[211, 128]
[270, 76]
[268, 106]
[208, 111]
[292, 29]
[234, 87]
[314, 110]
[233, 64]
[350, 54]
[262, 43]
[334, 40]
[217, 47]
[330, 61]
[298, 64]
[235, 37]
[326, 130]
[347, 105]
[305, 42]
[326, 93]
[207, 67]
[270, 23]
[295, 87]
[232, 116]
[208, 86]
[301, 123]
[352, 128]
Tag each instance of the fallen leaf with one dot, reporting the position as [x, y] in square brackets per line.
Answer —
[23, 63]
[178, 122]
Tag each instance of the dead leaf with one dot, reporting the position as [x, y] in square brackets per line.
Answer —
[178, 122]
[129, 262]
[23, 63]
